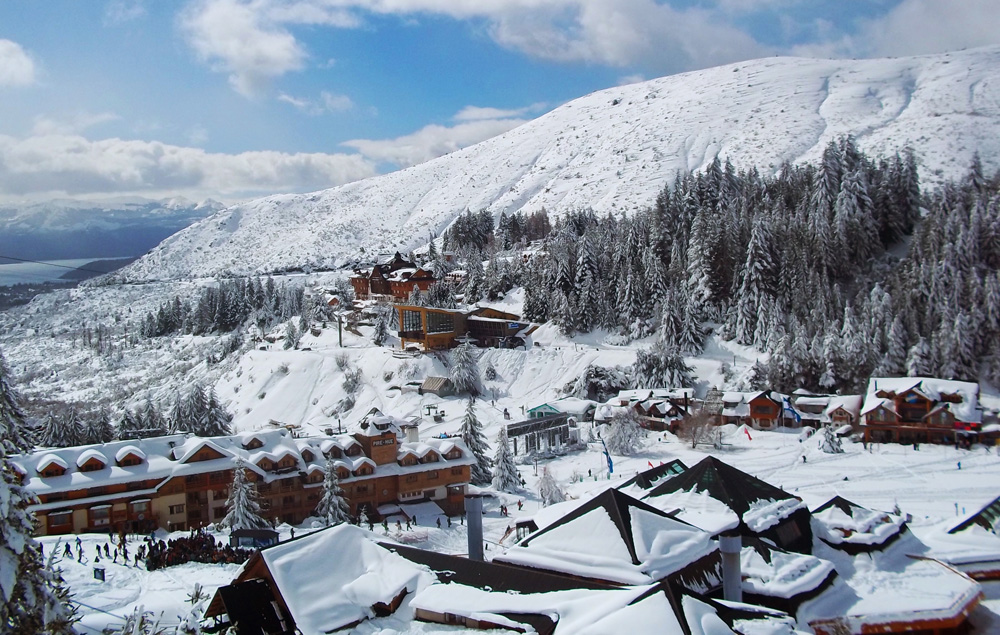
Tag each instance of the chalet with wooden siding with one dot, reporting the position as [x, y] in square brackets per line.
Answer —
[180, 482]
[921, 410]
[434, 328]
[392, 280]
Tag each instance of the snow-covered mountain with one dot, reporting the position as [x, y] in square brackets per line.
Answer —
[614, 150]
[66, 228]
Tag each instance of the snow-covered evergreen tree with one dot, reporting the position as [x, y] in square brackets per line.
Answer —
[661, 366]
[55, 433]
[34, 599]
[624, 436]
[332, 507]
[12, 425]
[830, 442]
[242, 508]
[505, 475]
[465, 369]
[100, 429]
[381, 332]
[292, 336]
[215, 420]
[918, 359]
[472, 434]
[549, 489]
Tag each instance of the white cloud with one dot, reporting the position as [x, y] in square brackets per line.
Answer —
[16, 67]
[75, 124]
[912, 27]
[239, 39]
[47, 165]
[121, 11]
[328, 102]
[476, 113]
[931, 26]
[252, 41]
[431, 141]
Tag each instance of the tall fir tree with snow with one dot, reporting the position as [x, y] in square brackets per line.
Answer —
[12, 423]
[464, 372]
[624, 436]
[34, 598]
[661, 366]
[292, 336]
[54, 432]
[100, 429]
[754, 285]
[242, 508]
[918, 359]
[381, 331]
[472, 434]
[549, 490]
[505, 475]
[332, 508]
[215, 420]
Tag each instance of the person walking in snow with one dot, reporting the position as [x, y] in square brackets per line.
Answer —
[68, 551]
[439, 522]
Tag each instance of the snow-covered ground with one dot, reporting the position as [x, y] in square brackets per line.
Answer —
[925, 483]
[613, 151]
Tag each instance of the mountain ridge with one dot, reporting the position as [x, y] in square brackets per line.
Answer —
[613, 151]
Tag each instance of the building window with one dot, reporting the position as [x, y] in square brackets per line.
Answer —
[176, 509]
[139, 507]
[361, 489]
[288, 501]
[92, 466]
[411, 478]
[60, 519]
[456, 471]
[100, 517]
[432, 475]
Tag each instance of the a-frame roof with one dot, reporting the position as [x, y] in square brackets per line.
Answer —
[648, 478]
[988, 518]
[616, 538]
[737, 489]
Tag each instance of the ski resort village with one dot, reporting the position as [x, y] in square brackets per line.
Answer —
[716, 353]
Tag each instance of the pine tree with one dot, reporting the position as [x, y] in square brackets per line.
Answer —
[242, 509]
[754, 285]
[661, 366]
[625, 435]
[34, 598]
[54, 434]
[332, 507]
[918, 359]
[505, 475]
[12, 425]
[549, 489]
[215, 420]
[381, 333]
[100, 429]
[831, 442]
[465, 370]
[472, 434]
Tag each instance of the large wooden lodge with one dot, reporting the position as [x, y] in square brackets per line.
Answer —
[181, 481]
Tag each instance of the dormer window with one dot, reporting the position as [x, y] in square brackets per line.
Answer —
[334, 453]
[354, 450]
[364, 470]
[52, 466]
[253, 444]
[308, 456]
[453, 454]
[430, 457]
[266, 464]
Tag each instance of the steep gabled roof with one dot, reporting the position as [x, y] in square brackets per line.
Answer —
[845, 525]
[616, 538]
[648, 478]
[737, 489]
[988, 518]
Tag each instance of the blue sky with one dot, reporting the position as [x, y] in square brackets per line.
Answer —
[232, 98]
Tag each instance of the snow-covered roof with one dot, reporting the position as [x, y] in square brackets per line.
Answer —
[346, 559]
[840, 522]
[966, 410]
[89, 454]
[616, 538]
[51, 459]
[773, 572]
[125, 450]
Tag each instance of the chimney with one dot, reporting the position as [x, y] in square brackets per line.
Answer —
[732, 577]
[412, 434]
[474, 516]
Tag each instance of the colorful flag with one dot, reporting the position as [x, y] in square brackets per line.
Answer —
[607, 455]
[745, 429]
[650, 463]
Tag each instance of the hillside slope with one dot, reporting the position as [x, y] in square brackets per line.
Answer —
[614, 150]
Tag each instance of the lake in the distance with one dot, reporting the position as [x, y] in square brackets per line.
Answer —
[49, 271]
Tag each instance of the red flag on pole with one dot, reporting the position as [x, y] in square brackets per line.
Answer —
[650, 463]
[748, 434]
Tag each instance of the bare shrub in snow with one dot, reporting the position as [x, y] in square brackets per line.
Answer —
[343, 360]
[352, 381]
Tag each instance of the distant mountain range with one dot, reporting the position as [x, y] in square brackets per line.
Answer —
[69, 229]
[613, 151]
